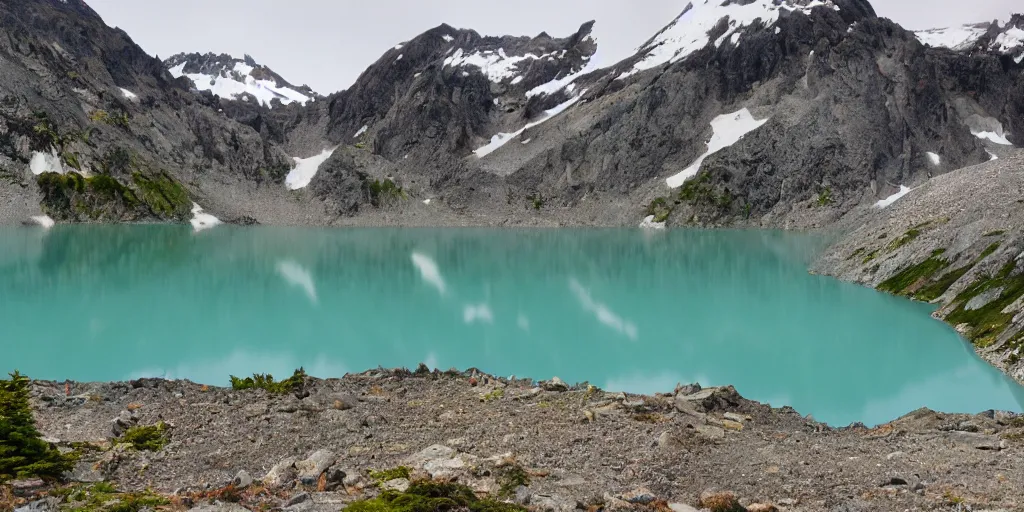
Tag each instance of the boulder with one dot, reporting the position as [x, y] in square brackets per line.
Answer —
[308, 471]
[555, 384]
[283, 473]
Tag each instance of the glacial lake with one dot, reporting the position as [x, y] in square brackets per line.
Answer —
[623, 309]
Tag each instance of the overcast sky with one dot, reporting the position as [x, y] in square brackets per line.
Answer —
[327, 43]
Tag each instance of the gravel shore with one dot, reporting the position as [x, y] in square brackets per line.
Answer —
[580, 447]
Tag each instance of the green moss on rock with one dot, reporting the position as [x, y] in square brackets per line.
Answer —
[150, 438]
[164, 196]
[988, 321]
[432, 497]
[904, 282]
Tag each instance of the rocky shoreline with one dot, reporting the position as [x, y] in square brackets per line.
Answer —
[327, 444]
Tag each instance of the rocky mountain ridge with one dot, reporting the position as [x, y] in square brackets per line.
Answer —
[762, 113]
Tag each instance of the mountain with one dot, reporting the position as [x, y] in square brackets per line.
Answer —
[92, 129]
[769, 113]
[1005, 39]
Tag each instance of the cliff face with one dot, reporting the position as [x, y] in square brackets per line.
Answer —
[776, 114]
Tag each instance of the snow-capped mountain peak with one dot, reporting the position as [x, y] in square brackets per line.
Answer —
[702, 20]
[1005, 39]
[237, 79]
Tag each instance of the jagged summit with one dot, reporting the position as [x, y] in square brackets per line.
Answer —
[237, 79]
[1002, 38]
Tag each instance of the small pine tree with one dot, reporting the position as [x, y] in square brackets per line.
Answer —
[23, 453]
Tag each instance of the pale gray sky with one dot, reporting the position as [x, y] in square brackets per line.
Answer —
[327, 43]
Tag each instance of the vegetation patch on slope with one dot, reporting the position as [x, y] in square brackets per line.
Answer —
[987, 321]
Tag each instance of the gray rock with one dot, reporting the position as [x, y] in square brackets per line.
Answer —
[352, 479]
[441, 461]
[983, 299]
[641, 496]
[242, 479]
[398, 484]
[308, 471]
[298, 498]
[681, 507]
[669, 442]
[283, 473]
[711, 432]
[49, 504]
[28, 484]
[124, 421]
[551, 503]
[84, 472]
[555, 384]
[219, 507]
[344, 401]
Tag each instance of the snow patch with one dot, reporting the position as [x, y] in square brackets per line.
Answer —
[128, 94]
[992, 156]
[202, 220]
[361, 131]
[429, 271]
[934, 158]
[45, 162]
[564, 82]
[477, 313]
[954, 38]
[601, 311]
[43, 220]
[1009, 40]
[398, 46]
[998, 138]
[178, 71]
[400, 57]
[447, 38]
[884, 203]
[297, 275]
[648, 223]
[500, 139]
[728, 129]
[496, 66]
[231, 85]
[305, 169]
[417, 75]
[527, 141]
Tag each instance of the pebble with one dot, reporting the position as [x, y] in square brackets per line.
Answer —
[762, 507]
[242, 480]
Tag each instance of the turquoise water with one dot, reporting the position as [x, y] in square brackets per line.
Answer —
[622, 309]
